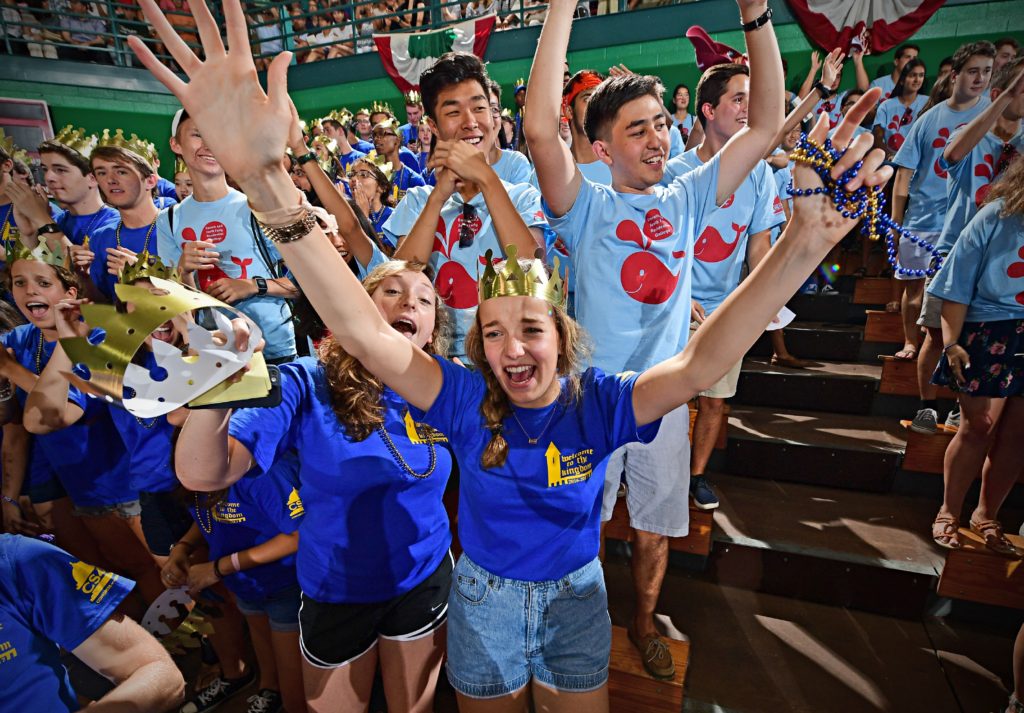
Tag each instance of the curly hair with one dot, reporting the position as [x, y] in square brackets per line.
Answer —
[1010, 188]
[354, 392]
[496, 407]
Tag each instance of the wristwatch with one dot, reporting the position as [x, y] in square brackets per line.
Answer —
[261, 286]
[48, 228]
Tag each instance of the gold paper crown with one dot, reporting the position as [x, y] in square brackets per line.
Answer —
[179, 166]
[506, 113]
[143, 148]
[7, 143]
[16, 250]
[520, 83]
[379, 162]
[147, 266]
[342, 116]
[512, 281]
[389, 125]
[413, 97]
[327, 142]
[381, 108]
[76, 140]
[363, 111]
[21, 154]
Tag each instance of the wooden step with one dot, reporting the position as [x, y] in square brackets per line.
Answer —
[872, 291]
[698, 542]
[977, 574]
[925, 451]
[816, 340]
[631, 688]
[883, 326]
[850, 388]
[899, 378]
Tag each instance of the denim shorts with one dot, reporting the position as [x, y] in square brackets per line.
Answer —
[281, 608]
[126, 510]
[503, 632]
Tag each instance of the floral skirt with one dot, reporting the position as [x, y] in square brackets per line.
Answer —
[996, 355]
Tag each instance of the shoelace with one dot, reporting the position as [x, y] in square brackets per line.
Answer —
[656, 649]
[258, 703]
[218, 686]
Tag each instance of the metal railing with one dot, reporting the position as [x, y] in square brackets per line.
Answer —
[96, 31]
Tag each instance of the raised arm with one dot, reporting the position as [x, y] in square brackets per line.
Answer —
[967, 138]
[557, 175]
[813, 230]
[225, 84]
[419, 242]
[863, 83]
[767, 98]
[47, 407]
[830, 69]
[812, 72]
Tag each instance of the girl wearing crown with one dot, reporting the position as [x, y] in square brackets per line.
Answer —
[528, 593]
[371, 189]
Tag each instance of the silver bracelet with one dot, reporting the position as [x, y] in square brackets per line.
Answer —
[6, 392]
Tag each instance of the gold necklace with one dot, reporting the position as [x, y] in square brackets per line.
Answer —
[531, 440]
[145, 244]
[396, 455]
[208, 526]
[39, 354]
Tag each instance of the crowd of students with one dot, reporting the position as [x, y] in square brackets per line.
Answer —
[542, 294]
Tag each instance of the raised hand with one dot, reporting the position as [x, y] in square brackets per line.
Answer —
[468, 163]
[117, 258]
[68, 319]
[815, 61]
[197, 255]
[30, 204]
[82, 257]
[832, 68]
[620, 70]
[296, 139]
[245, 127]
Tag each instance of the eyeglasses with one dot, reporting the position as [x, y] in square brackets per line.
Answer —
[466, 232]
[361, 174]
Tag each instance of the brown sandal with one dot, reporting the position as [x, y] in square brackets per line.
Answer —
[945, 532]
[992, 533]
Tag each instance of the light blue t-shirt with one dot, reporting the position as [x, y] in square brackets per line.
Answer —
[896, 119]
[783, 177]
[676, 144]
[684, 127]
[721, 246]
[970, 179]
[596, 171]
[513, 167]
[633, 256]
[455, 267]
[226, 223]
[887, 85]
[985, 269]
[832, 108]
[921, 153]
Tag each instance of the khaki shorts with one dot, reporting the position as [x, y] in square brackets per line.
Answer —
[726, 386]
[931, 309]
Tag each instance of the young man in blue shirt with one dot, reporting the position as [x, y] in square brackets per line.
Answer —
[919, 191]
[632, 249]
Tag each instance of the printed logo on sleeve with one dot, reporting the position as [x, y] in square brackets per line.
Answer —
[568, 469]
[7, 651]
[92, 581]
[421, 433]
[295, 506]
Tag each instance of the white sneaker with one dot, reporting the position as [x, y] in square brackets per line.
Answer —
[926, 421]
[953, 420]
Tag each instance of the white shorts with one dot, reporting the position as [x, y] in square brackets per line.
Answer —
[658, 476]
[914, 257]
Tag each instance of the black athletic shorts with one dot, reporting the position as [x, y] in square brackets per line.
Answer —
[165, 520]
[332, 635]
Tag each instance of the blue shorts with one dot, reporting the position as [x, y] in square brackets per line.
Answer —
[281, 608]
[45, 492]
[503, 632]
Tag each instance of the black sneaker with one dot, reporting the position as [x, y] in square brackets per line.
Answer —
[219, 690]
[266, 701]
[703, 496]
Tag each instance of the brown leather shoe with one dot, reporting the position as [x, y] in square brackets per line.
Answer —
[655, 654]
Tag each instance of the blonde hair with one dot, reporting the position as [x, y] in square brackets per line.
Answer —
[572, 354]
[355, 392]
[1010, 187]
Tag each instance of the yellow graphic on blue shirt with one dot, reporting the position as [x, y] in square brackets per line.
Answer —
[421, 432]
[295, 507]
[228, 513]
[93, 581]
[569, 468]
[7, 651]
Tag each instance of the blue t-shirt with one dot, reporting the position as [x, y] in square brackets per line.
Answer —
[832, 108]
[406, 178]
[896, 119]
[372, 531]
[226, 223]
[970, 179]
[135, 239]
[378, 220]
[985, 268]
[633, 258]
[88, 457]
[456, 268]
[721, 247]
[537, 517]
[410, 133]
[676, 145]
[78, 227]
[684, 127]
[783, 177]
[148, 443]
[922, 154]
[48, 600]
[887, 85]
[364, 146]
[254, 510]
[596, 171]
[166, 189]
[348, 159]
[513, 167]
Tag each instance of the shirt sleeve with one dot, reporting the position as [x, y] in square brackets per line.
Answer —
[768, 211]
[167, 247]
[269, 433]
[275, 493]
[702, 184]
[66, 600]
[527, 201]
[405, 214]
[614, 397]
[456, 410]
[574, 223]
[376, 260]
[957, 280]
[909, 155]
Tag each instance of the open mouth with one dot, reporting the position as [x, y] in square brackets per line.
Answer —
[37, 310]
[474, 140]
[520, 374]
[656, 160]
[404, 326]
[164, 333]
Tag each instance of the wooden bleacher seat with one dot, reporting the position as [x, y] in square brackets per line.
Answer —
[883, 326]
[977, 574]
[632, 690]
[872, 291]
[698, 542]
[899, 378]
[925, 452]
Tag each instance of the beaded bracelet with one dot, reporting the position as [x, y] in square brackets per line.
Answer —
[864, 203]
[13, 502]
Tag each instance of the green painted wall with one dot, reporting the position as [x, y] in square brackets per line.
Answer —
[139, 105]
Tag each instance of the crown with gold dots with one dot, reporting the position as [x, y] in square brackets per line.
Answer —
[76, 140]
[390, 125]
[512, 281]
[7, 143]
[378, 162]
[378, 107]
[413, 97]
[146, 267]
[144, 149]
[16, 250]
[343, 116]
